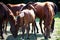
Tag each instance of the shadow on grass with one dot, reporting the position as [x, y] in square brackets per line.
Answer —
[31, 37]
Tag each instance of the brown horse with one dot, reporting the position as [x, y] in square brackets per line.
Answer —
[55, 7]
[24, 19]
[3, 16]
[14, 8]
[6, 13]
[45, 12]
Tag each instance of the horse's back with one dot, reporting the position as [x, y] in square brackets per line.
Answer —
[15, 8]
[29, 15]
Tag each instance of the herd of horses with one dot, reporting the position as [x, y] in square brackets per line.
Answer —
[21, 15]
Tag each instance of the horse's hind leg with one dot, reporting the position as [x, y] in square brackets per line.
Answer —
[41, 25]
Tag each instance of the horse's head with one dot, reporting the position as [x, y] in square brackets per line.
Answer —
[13, 25]
[12, 21]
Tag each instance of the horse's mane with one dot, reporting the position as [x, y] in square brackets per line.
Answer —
[26, 6]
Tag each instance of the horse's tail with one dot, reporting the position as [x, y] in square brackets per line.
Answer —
[55, 8]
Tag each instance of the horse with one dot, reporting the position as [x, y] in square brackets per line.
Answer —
[14, 8]
[24, 19]
[45, 12]
[6, 13]
[55, 7]
[3, 16]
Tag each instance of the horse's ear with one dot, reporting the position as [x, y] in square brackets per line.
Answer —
[19, 12]
[30, 2]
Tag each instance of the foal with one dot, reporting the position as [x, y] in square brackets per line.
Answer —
[24, 19]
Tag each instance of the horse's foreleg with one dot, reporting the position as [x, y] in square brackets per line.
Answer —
[33, 26]
[23, 30]
[41, 25]
[1, 31]
[52, 25]
[6, 26]
[36, 27]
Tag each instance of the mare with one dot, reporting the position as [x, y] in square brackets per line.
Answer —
[55, 7]
[6, 13]
[44, 11]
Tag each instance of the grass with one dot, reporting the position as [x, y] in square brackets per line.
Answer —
[57, 25]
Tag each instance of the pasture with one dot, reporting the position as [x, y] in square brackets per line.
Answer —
[54, 36]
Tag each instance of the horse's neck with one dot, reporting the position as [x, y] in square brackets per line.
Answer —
[5, 7]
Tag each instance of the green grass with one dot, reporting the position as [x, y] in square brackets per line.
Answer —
[57, 24]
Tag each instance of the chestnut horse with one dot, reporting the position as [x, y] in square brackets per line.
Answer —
[6, 13]
[55, 7]
[14, 8]
[24, 19]
[45, 12]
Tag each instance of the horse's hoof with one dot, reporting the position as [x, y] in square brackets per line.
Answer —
[35, 35]
[6, 33]
[22, 39]
[32, 31]
[27, 37]
[2, 38]
[46, 37]
[37, 32]
[52, 30]
[49, 36]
